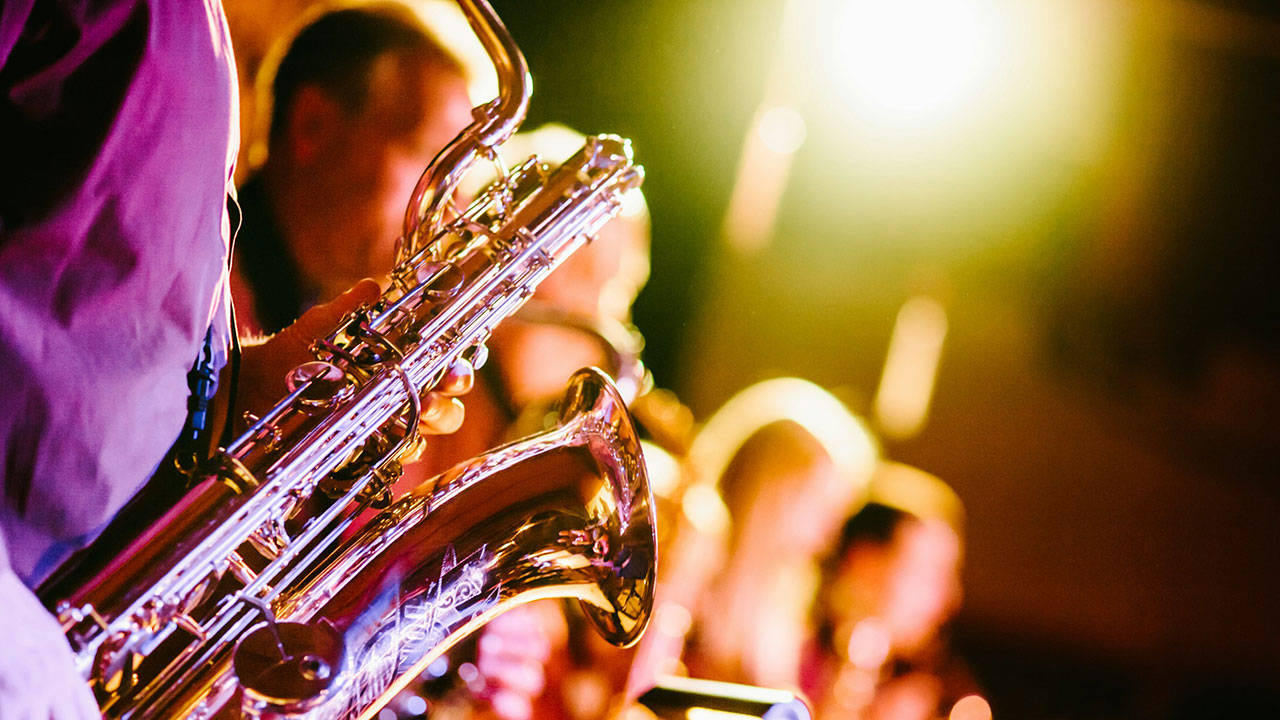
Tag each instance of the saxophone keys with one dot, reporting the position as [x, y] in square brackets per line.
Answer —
[442, 280]
[240, 569]
[271, 539]
[478, 355]
[69, 615]
[114, 669]
[191, 625]
[288, 667]
[317, 372]
[319, 383]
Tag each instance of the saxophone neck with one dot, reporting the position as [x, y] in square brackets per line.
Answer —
[495, 122]
[504, 114]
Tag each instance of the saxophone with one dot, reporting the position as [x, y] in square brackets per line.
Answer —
[288, 582]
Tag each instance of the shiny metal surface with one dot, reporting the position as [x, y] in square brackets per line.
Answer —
[253, 526]
[567, 513]
[494, 123]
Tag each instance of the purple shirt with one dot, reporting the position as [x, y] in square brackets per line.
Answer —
[117, 139]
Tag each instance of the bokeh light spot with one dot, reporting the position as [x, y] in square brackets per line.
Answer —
[782, 130]
[970, 707]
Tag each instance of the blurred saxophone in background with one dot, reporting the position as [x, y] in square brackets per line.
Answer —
[288, 582]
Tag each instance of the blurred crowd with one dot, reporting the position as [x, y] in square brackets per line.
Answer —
[793, 555]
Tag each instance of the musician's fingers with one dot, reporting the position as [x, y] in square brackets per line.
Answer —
[322, 319]
[267, 361]
[441, 415]
[457, 380]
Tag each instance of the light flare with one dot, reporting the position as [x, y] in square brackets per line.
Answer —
[915, 61]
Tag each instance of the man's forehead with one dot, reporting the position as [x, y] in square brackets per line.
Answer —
[412, 87]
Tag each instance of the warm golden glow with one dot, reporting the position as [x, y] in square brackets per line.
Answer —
[664, 470]
[971, 117]
[911, 368]
[916, 492]
[781, 129]
[850, 444]
[915, 61]
[762, 177]
[672, 620]
[448, 26]
[705, 510]
[958, 118]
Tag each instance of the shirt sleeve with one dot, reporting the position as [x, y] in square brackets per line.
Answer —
[120, 129]
[13, 19]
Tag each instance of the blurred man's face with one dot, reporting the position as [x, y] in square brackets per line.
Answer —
[414, 110]
[908, 588]
[924, 582]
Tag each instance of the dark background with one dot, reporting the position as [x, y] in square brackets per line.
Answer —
[1109, 394]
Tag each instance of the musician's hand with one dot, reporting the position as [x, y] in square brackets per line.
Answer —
[442, 411]
[265, 365]
[38, 678]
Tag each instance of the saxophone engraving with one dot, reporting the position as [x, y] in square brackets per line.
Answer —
[273, 547]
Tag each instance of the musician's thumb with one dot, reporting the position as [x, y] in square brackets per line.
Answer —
[323, 319]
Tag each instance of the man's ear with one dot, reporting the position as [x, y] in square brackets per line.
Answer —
[313, 122]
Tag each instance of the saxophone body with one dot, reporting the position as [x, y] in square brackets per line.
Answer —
[289, 541]
[566, 513]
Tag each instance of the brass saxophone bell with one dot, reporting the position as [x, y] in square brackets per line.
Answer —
[566, 513]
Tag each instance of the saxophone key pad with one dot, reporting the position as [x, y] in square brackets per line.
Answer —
[288, 667]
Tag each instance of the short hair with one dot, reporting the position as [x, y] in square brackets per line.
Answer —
[337, 50]
[874, 524]
[872, 527]
[897, 494]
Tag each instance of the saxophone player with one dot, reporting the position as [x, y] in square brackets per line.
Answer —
[117, 156]
[340, 132]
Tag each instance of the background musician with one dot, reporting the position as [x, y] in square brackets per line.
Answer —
[890, 584]
[359, 102]
[790, 462]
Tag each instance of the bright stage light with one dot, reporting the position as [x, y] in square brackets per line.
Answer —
[915, 62]
[934, 118]
[966, 117]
